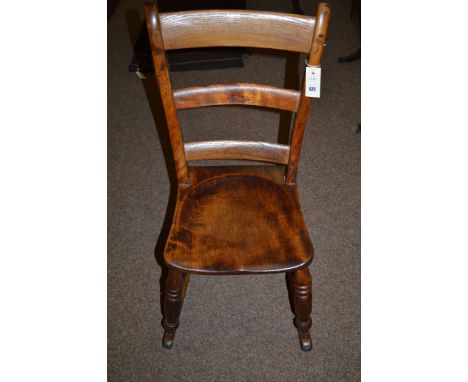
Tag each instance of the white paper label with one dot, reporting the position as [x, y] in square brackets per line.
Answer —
[313, 82]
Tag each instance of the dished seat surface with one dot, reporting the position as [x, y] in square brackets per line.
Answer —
[238, 220]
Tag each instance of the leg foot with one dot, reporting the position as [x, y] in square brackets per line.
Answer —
[306, 343]
[168, 339]
[304, 338]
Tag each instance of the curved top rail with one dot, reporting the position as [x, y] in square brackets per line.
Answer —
[256, 29]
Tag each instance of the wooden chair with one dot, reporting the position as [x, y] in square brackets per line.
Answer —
[236, 219]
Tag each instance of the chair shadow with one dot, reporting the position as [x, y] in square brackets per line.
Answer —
[135, 27]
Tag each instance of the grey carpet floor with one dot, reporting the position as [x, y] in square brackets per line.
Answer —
[234, 328]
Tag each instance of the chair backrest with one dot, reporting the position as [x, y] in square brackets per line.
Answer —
[211, 28]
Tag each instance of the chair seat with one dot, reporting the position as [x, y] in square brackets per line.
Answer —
[238, 219]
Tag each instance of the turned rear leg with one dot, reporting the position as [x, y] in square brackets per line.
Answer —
[175, 286]
[300, 283]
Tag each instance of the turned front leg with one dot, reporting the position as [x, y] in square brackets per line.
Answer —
[173, 300]
[302, 298]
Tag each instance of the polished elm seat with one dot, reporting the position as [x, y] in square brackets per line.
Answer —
[238, 220]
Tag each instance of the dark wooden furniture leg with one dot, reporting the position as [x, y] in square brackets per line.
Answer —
[176, 283]
[301, 285]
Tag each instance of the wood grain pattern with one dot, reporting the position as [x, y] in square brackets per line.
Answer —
[244, 150]
[305, 103]
[237, 94]
[238, 221]
[210, 28]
